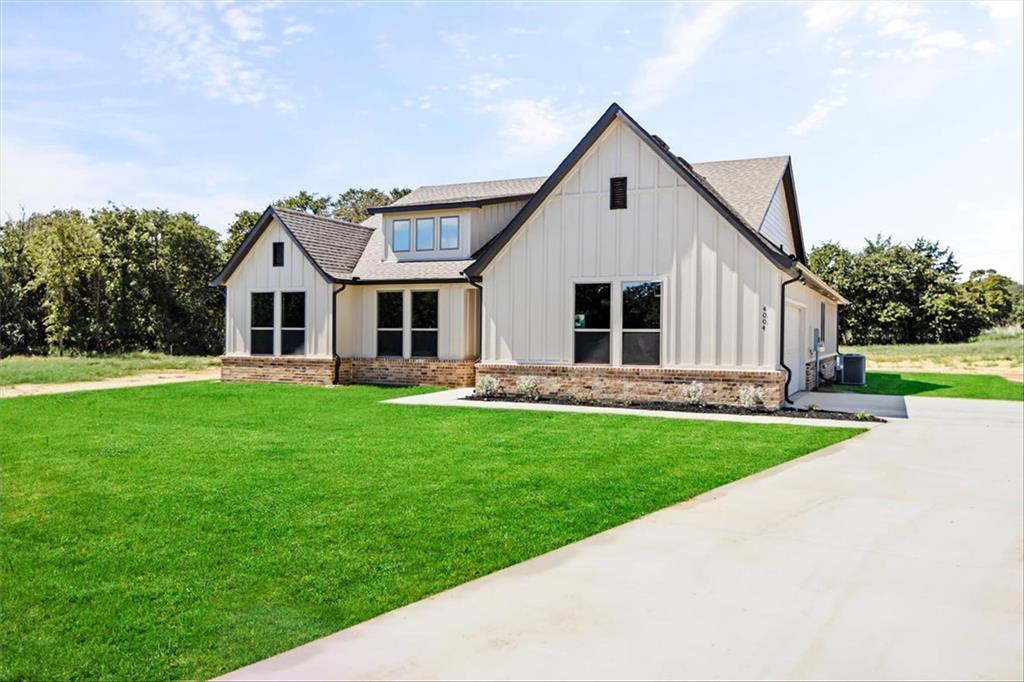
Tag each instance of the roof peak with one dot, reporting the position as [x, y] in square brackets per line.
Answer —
[307, 214]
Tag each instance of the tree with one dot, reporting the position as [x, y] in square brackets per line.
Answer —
[352, 204]
[22, 327]
[244, 221]
[994, 293]
[63, 252]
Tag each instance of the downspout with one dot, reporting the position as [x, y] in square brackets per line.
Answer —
[479, 316]
[334, 330]
[782, 337]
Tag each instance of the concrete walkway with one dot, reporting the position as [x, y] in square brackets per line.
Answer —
[163, 376]
[896, 554]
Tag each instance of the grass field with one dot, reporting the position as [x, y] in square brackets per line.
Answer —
[20, 369]
[181, 531]
[939, 385]
[994, 349]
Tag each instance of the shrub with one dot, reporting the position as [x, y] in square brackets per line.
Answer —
[487, 386]
[693, 394]
[527, 387]
[752, 397]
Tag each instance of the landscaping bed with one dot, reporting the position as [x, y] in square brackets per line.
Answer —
[793, 413]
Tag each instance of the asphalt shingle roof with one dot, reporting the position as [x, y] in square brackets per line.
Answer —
[335, 245]
[372, 267]
[470, 191]
[748, 185]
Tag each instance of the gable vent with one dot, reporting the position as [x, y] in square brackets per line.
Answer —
[618, 193]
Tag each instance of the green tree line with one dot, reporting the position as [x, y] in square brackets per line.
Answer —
[121, 279]
[912, 293]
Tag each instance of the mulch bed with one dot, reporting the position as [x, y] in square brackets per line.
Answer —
[791, 412]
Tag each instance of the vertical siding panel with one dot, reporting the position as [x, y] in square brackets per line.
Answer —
[708, 295]
[521, 301]
[627, 237]
[727, 236]
[588, 234]
[553, 279]
[645, 232]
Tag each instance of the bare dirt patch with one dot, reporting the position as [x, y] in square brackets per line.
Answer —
[166, 376]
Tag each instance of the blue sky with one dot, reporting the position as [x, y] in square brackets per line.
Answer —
[902, 119]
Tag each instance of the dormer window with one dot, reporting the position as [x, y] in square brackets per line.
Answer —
[450, 233]
[424, 234]
[400, 235]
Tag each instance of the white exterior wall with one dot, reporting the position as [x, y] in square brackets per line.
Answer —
[457, 325]
[491, 219]
[811, 300]
[715, 284]
[777, 227]
[257, 274]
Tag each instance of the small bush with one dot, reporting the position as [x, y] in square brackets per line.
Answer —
[487, 386]
[527, 387]
[752, 397]
[693, 394]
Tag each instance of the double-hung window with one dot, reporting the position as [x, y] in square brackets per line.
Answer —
[641, 323]
[592, 323]
[389, 323]
[261, 323]
[293, 323]
[424, 324]
[424, 234]
[400, 235]
[450, 233]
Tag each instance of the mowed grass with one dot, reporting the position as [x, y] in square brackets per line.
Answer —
[939, 385]
[22, 369]
[182, 531]
[995, 348]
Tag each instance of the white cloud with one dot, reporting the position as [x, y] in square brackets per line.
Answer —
[1002, 9]
[983, 46]
[484, 85]
[942, 39]
[245, 23]
[297, 30]
[37, 58]
[840, 72]
[819, 113]
[830, 15]
[529, 125]
[686, 41]
[521, 31]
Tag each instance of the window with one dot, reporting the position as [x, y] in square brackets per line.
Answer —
[293, 323]
[592, 323]
[641, 323]
[424, 234]
[389, 323]
[450, 233]
[618, 193]
[424, 324]
[261, 324]
[821, 333]
[278, 254]
[400, 235]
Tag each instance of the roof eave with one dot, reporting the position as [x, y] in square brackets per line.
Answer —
[819, 285]
[468, 203]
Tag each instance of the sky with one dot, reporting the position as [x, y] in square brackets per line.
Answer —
[902, 119]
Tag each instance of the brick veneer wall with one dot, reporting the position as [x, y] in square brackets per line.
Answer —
[636, 384]
[289, 369]
[411, 372]
[828, 370]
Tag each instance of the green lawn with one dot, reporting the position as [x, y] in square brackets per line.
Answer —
[181, 531]
[994, 348]
[939, 385]
[20, 369]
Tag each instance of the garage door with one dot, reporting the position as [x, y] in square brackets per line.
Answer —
[794, 351]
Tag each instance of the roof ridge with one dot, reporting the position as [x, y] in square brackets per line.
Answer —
[321, 217]
[481, 182]
[749, 158]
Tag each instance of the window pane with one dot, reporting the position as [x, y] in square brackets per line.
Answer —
[293, 342]
[278, 254]
[400, 235]
[591, 347]
[593, 306]
[389, 343]
[261, 342]
[424, 234]
[389, 309]
[424, 310]
[641, 305]
[293, 309]
[424, 344]
[641, 348]
[263, 310]
[449, 233]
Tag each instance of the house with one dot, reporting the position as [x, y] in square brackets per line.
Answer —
[627, 273]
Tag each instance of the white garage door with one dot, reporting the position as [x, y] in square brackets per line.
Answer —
[794, 351]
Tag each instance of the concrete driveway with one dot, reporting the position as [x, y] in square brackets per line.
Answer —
[897, 554]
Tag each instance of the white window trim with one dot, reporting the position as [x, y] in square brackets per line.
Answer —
[410, 235]
[433, 235]
[610, 281]
[615, 340]
[440, 233]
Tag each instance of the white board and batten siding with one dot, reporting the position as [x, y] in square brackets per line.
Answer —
[810, 301]
[719, 294]
[256, 274]
[776, 226]
[457, 319]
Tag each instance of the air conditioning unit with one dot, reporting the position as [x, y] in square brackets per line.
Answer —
[852, 369]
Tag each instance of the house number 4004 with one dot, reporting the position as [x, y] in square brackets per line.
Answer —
[764, 318]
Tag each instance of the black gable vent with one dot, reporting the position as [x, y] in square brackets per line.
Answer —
[618, 193]
[660, 142]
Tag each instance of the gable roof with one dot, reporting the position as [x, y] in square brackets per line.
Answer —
[333, 246]
[464, 194]
[697, 181]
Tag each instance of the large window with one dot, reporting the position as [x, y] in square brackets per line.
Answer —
[293, 323]
[424, 234]
[592, 323]
[389, 323]
[641, 323]
[400, 235]
[424, 324]
[450, 233]
[261, 326]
